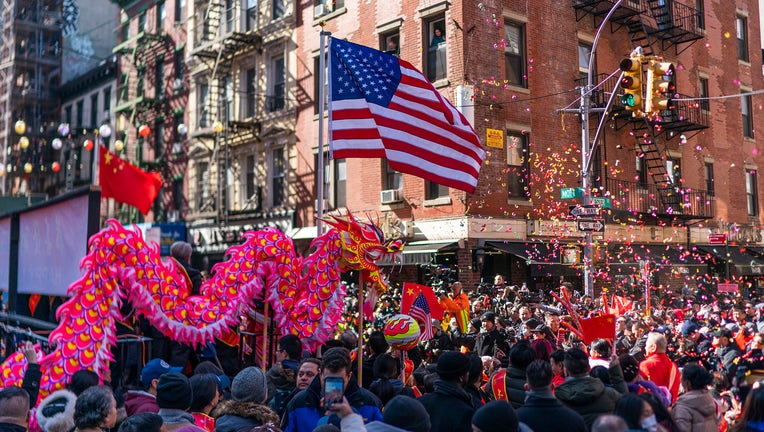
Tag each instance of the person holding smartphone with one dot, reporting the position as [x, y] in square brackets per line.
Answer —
[313, 406]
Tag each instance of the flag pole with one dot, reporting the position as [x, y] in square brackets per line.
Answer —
[360, 329]
[324, 35]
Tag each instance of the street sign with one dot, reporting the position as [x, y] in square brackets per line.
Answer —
[587, 210]
[570, 193]
[717, 239]
[601, 201]
[727, 287]
[591, 225]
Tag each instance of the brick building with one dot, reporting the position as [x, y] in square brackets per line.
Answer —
[667, 180]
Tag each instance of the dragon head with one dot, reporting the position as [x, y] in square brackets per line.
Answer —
[363, 244]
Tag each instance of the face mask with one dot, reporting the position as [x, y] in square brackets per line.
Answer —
[650, 423]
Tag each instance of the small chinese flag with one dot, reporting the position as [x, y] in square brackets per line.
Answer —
[127, 183]
[411, 291]
[598, 327]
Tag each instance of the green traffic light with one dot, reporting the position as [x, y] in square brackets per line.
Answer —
[628, 100]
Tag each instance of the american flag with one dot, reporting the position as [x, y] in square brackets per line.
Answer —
[382, 107]
[420, 311]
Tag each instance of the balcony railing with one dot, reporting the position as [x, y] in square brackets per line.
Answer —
[634, 197]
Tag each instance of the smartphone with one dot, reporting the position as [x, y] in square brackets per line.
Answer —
[334, 388]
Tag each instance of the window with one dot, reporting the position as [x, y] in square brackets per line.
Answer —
[517, 165]
[159, 79]
[317, 81]
[161, 15]
[742, 38]
[277, 9]
[179, 68]
[340, 183]
[276, 100]
[324, 7]
[673, 168]
[177, 137]
[250, 83]
[709, 176]
[703, 87]
[123, 91]
[433, 190]
[584, 52]
[202, 102]
[700, 10]
[230, 15]
[641, 172]
[180, 6]
[278, 177]
[202, 185]
[392, 179]
[68, 114]
[251, 14]
[227, 83]
[435, 41]
[158, 141]
[390, 43]
[107, 100]
[142, 22]
[514, 54]
[747, 112]
[177, 193]
[80, 108]
[139, 84]
[251, 192]
[751, 192]
[124, 28]
[94, 110]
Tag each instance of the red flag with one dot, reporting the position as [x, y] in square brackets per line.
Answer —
[126, 183]
[622, 304]
[382, 107]
[34, 300]
[598, 327]
[410, 293]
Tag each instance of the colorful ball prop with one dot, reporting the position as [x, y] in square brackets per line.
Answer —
[119, 145]
[63, 129]
[56, 144]
[56, 167]
[402, 332]
[20, 127]
[24, 143]
[28, 167]
[182, 129]
[88, 145]
[144, 131]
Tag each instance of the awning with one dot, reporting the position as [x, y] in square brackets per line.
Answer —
[746, 262]
[656, 254]
[530, 252]
[421, 252]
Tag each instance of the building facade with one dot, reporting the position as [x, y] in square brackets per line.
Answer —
[664, 182]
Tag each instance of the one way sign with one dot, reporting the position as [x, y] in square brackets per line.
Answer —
[595, 225]
[588, 210]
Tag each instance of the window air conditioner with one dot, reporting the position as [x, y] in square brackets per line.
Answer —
[319, 10]
[391, 196]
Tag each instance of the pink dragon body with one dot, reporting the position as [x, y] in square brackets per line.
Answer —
[305, 293]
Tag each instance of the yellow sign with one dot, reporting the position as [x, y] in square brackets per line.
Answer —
[494, 138]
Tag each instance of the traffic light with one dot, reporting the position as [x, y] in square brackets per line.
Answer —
[631, 83]
[661, 87]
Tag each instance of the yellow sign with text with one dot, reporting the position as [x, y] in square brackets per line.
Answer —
[494, 138]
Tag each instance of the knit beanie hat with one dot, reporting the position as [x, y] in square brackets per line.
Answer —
[250, 385]
[496, 416]
[406, 413]
[174, 391]
[452, 364]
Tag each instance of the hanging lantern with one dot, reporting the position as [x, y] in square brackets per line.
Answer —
[24, 143]
[182, 129]
[2, 170]
[28, 167]
[56, 144]
[20, 127]
[63, 129]
[88, 144]
[144, 131]
[119, 145]
[56, 167]
[105, 131]
[217, 126]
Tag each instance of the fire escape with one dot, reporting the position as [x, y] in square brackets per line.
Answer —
[30, 74]
[220, 38]
[651, 25]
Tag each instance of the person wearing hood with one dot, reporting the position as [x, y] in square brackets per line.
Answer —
[247, 408]
[586, 395]
[695, 410]
[449, 406]
[282, 376]
[56, 412]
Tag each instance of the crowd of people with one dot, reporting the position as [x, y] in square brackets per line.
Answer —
[504, 360]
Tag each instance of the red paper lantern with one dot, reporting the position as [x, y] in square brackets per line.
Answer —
[144, 131]
[88, 145]
[56, 167]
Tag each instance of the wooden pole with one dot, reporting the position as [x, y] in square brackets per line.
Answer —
[359, 356]
[264, 356]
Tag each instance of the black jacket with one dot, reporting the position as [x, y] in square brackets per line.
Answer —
[450, 408]
[31, 383]
[514, 379]
[11, 427]
[232, 416]
[588, 397]
[547, 414]
[488, 343]
[194, 275]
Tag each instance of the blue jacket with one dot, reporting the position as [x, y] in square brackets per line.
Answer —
[303, 412]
